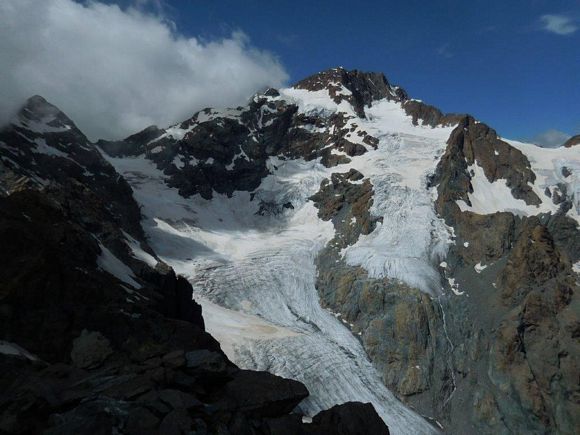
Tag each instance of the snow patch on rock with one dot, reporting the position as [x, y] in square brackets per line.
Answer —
[108, 262]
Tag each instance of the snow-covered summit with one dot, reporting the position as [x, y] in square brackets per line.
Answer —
[359, 88]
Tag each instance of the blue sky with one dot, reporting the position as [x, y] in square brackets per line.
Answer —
[514, 64]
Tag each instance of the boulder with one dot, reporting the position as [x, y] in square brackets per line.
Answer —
[261, 394]
[90, 350]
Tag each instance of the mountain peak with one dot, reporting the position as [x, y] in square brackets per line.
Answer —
[38, 115]
[358, 87]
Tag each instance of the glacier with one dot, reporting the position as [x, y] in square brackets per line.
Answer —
[255, 278]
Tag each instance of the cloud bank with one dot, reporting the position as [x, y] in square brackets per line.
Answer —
[116, 71]
[550, 138]
[558, 24]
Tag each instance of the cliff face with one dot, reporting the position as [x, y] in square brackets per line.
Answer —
[518, 272]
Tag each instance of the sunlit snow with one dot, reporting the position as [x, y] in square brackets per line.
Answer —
[411, 240]
[550, 166]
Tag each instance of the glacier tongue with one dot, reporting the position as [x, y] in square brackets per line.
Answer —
[255, 277]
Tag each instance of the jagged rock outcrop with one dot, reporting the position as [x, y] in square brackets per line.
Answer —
[358, 88]
[425, 114]
[474, 143]
[42, 146]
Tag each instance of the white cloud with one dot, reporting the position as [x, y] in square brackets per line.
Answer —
[117, 71]
[559, 24]
[550, 138]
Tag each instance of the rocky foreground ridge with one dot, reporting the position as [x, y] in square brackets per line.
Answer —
[486, 342]
[96, 334]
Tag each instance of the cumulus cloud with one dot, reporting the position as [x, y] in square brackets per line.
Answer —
[550, 138]
[115, 71]
[558, 24]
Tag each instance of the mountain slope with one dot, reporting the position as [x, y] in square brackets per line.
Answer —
[341, 234]
[97, 335]
[411, 226]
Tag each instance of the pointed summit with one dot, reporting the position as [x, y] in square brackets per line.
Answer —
[40, 116]
[44, 145]
[357, 87]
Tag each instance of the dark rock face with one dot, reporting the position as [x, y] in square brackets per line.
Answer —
[43, 147]
[429, 115]
[262, 394]
[350, 418]
[536, 337]
[132, 145]
[86, 349]
[362, 87]
[346, 199]
[90, 350]
[470, 143]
